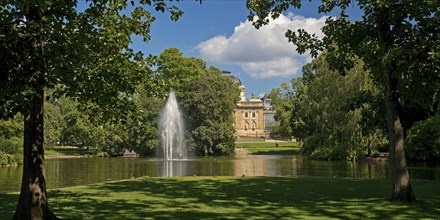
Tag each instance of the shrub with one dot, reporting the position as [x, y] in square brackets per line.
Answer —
[423, 140]
[11, 145]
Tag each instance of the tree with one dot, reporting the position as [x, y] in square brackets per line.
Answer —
[143, 138]
[423, 140]
[209, 106]
[53, 123]
[282, 103]
[139, 131]
[11, 139]
[51, 44]
[176, 71]
[207, 98]
[397, 40]
[333, 111]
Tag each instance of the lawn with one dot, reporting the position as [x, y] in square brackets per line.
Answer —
[65, 151]
[237, 198]
[270, 148]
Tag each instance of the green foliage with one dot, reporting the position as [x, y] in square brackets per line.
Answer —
[137, 132]
[84, 54]
[53, 123]
[75, 125]
[209, 106]
[141, 127]
[212, 96]
[74, 54]
[398, 41]
[331, 112]
[177, 72]
[423, 140]
[11, 140]
[12, 128]
[282, 103]
[208, 99]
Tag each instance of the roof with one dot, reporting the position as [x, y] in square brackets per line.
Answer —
[255, 100]
[232, 77]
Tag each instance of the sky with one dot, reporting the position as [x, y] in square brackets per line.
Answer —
[218, 32]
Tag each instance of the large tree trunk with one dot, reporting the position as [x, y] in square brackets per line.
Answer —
[401, 186]
[32, 203]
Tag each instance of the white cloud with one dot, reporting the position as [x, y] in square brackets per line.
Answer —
[265, 52]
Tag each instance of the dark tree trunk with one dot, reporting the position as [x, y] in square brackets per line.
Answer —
[32, 203]
[401, 186]
[402, 190]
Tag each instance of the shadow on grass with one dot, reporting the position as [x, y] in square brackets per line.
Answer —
[8, 203]
[238, 198]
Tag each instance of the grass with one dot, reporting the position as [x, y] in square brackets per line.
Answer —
[270, 148]
[65, 151]
[265, 144]
[237, 198]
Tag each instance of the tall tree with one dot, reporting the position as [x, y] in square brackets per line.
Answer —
[176, 71]
[210, 104]
[329, 111]
[282, 103]
[84, 54]
[333, 111]
[397, 40]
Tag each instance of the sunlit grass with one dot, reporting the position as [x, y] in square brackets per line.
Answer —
[65, 151]
[270, 148]
[265, 144]
[274, 151]
[237, 198]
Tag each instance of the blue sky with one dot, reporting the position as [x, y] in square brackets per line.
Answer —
[218, 32]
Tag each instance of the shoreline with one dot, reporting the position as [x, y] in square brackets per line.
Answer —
[51, 157]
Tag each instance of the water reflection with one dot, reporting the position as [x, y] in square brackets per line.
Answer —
[171, 168]
[72, 172]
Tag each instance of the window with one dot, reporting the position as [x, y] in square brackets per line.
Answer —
[253, 114]
[253, 127]
[246, 114]
[245, 127]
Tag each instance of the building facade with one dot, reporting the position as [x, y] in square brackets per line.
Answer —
[253, 117]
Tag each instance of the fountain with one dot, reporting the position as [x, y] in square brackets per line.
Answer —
[172, 143]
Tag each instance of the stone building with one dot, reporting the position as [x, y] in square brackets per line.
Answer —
[253, 117]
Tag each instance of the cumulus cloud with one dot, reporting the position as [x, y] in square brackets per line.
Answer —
[265, 52]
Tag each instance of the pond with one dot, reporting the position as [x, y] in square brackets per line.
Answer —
[80, 171]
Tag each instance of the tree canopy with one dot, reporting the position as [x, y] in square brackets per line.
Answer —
[334, 114]
[176, 71]
[81, 54]
[399, 44]
[209, 105]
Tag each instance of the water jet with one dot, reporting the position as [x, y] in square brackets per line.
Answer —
[172, 142]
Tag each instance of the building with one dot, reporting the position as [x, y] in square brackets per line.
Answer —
[253, 117]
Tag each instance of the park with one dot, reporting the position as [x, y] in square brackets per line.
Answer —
[94, 127]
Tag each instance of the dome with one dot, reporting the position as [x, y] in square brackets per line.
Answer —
[232, 77]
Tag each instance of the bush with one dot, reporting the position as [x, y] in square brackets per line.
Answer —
[11, 145]
[7, 159]
[423, 140]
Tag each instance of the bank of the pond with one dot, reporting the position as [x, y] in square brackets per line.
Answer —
[267, 148]
[58, 152]
[237, 198]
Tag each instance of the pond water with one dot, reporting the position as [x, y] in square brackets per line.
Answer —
[79, 171]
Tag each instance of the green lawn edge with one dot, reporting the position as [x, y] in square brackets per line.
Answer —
[270, 148]
[237, 198]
